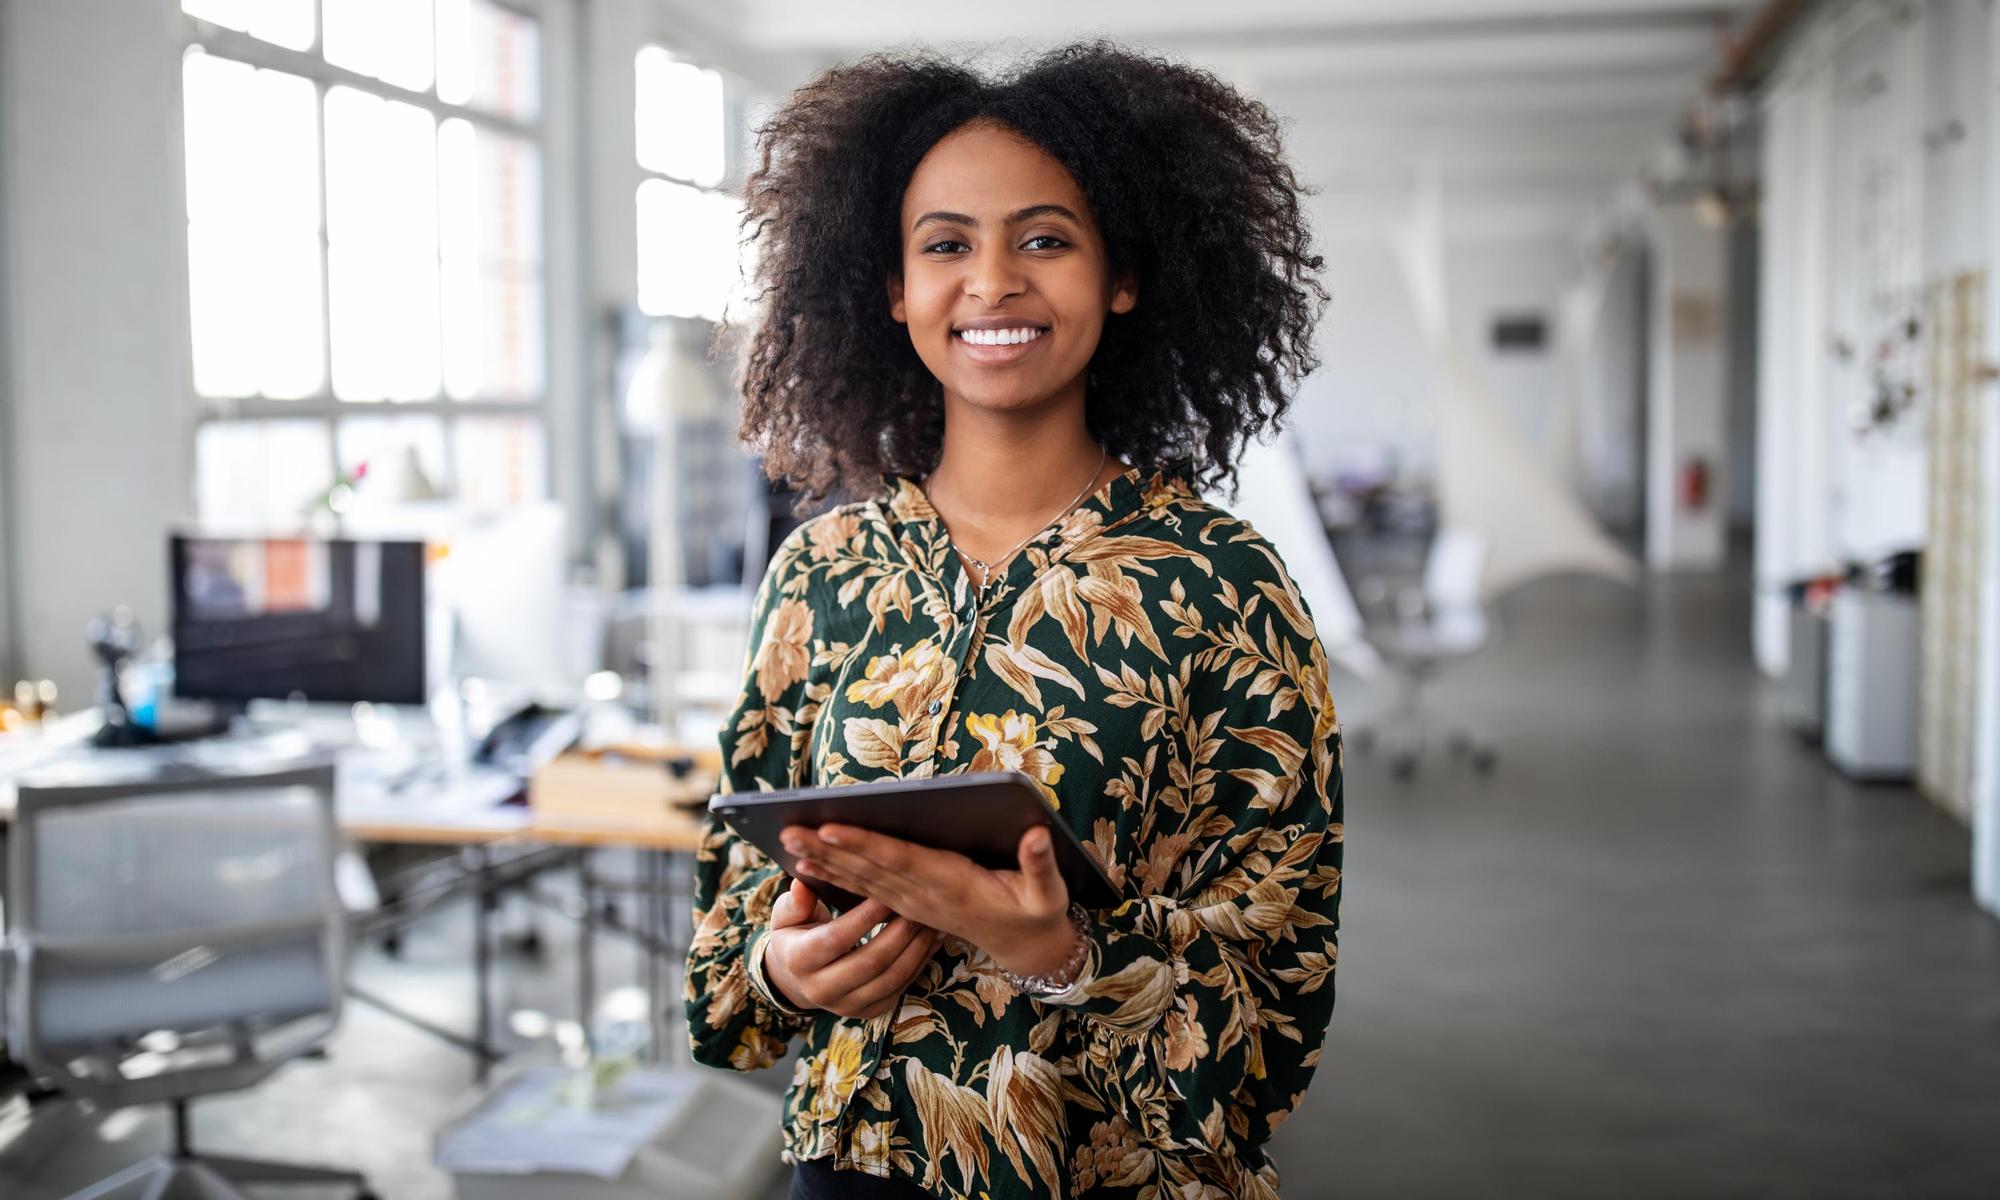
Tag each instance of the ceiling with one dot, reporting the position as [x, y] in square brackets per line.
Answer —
[1550, 105]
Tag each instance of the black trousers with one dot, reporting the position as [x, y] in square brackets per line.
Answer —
[817, 1180]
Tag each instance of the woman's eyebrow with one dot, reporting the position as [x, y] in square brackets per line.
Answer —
[1026, 214]
[1043, 210]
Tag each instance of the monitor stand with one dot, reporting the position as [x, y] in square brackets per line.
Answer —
[113, 638]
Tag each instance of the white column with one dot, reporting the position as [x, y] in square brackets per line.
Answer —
[102, 420]
[1986, 764]
[1686, 424]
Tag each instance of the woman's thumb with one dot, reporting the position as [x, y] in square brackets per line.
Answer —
[1038, 861]
[795, 907]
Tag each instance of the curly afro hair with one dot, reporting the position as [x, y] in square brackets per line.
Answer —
[1187, 182]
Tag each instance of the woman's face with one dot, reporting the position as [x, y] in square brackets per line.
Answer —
[1006, 281]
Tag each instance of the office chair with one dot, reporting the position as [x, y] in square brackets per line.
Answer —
[1444, 619]
[176, 934]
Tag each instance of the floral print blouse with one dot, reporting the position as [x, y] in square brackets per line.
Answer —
[1150, 662]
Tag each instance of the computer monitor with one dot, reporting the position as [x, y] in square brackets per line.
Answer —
[273, 618]
[504, 576]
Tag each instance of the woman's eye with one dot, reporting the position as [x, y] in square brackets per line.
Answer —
[1054, 242]
[945, 246]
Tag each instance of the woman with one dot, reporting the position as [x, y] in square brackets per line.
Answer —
[1025, 318]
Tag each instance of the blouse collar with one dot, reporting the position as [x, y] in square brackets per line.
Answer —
[908, 511]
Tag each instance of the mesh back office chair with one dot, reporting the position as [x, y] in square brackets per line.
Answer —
[1443, 620]
[175, 937]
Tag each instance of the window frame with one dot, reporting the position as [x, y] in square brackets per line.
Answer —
[323, 407]
[737, 102]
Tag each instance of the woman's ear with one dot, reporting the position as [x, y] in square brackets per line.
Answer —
[1124, 293]
[896, 311]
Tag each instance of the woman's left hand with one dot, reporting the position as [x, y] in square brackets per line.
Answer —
[1020, 918]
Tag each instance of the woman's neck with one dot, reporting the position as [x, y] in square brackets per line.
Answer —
[1003, 476]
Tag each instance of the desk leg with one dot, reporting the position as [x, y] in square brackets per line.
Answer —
[482, 955]
[676, 901]
[656, 930]
[586, 951]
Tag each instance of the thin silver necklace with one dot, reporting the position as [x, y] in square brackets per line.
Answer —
[985, 570]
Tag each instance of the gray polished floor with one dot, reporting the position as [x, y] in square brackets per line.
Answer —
[1664, 951]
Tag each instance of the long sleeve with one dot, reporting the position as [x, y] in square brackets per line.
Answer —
[1204, 1002]
[734, 1020]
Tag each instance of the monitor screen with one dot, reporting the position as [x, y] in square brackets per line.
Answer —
[334, 620]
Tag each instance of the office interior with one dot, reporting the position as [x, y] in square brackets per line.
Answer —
[376, 556]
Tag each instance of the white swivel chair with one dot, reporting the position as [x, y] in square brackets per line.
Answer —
[173, 937]
[1443, 620]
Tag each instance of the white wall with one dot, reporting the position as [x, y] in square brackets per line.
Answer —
[1512, 276]
[1879, 474]
[1373, 387]
[96, 242]
[1688, 392]
[9, 631]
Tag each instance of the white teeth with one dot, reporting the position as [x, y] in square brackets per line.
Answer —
[999, 337]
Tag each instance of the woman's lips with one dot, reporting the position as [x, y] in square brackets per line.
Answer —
[1000, 355]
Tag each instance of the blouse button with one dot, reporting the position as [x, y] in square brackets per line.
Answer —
[935, 708]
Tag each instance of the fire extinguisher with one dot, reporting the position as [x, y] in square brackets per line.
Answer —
[1694, 484]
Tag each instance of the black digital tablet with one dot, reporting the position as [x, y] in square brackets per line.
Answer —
[982, 816]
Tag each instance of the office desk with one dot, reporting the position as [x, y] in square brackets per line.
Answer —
[657, 831]
[657, 836]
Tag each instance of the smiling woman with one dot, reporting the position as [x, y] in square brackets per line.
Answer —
[1019, 320]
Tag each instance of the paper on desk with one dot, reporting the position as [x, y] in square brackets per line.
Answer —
[528, 1126]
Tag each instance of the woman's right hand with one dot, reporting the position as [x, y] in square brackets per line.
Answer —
[812, 960]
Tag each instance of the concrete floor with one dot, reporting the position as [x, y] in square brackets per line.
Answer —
[1664, 952]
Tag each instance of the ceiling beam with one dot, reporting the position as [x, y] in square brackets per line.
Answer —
[1539, 54]
[845, 26]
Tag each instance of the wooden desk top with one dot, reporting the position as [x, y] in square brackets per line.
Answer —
[674, 831]
[587, 800]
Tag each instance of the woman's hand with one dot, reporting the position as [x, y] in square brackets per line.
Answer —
[812, 959]
[1020, 918]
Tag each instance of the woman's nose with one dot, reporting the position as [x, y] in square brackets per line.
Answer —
[994, 276]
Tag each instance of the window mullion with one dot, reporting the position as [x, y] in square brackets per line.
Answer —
[241, 47]
[325, 243]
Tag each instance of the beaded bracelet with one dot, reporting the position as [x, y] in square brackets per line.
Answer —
[1064, 976]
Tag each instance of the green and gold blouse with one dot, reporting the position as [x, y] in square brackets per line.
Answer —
[1150, 661]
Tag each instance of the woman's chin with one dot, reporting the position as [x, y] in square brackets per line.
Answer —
[1005, 396]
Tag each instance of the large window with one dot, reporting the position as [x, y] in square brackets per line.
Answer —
[688, 254]
[364, 250]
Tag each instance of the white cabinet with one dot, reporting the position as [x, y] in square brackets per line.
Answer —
[1871, 684]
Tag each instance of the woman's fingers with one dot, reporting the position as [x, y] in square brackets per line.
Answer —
[863, 964]
[888, 891]
[868, 854]
[875, 994]
[879, 995]
[824, 943]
